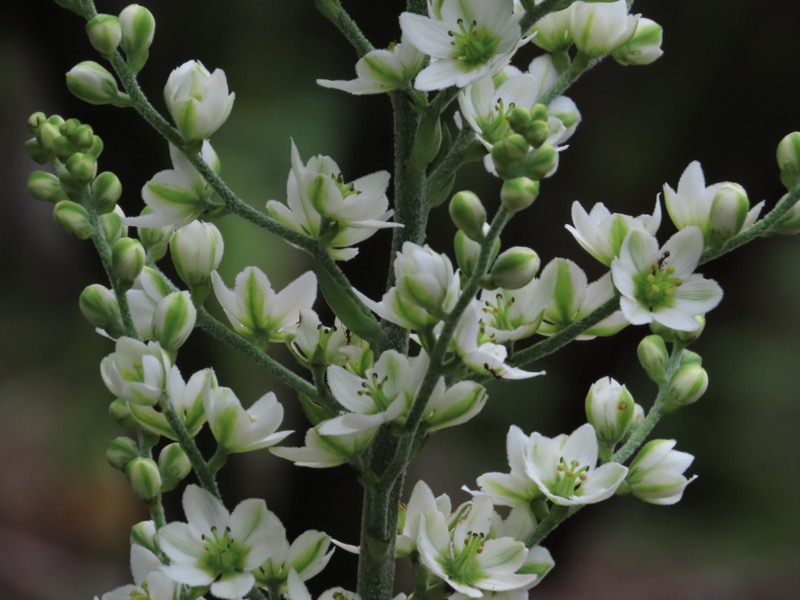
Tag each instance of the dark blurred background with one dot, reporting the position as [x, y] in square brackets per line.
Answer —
[724, 93]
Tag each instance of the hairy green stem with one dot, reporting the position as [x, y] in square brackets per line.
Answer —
[333, 11]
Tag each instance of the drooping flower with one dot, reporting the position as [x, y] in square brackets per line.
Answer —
[601, 233]
[198, 101]
[321, 205]
[466, 40]
[382, 70]
[216, 547]
[255, 310]
[179, 195]
[656, 474]
[660, 284]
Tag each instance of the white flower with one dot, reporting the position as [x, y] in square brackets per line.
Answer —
[149, 583]
[177, 196]
[509, 315]
[321, 205]
[464, 554]
[316, 345]
[552, 32]
[693, 203]
[515, 488]
[305, 557]
[466, 40]
[381, 70]
[601, 233]
[610, 409]
[256, 311]
[146, 293]
[219, 548]
[198, 101]
[599, 27]
[136, 372]
[574, 298]
[483, 356]
[196, 250]
[324, 451]
[240, 430]
[656, 474]
[659, 284]
[421, 501]
[564, 468]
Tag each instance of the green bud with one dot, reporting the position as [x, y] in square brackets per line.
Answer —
[173, 320]
[313, 411]
[518, 118]
[468, 214]
[514, 268]
[73, 218]
[97, 147]
[507, 153]
[537, 132]
[428, 140]
[47, 134]
[106, 191]
[82, 137]
[99, 306]
[644, 47]
[104, 33]
[138, 28]
[687, 385]
[112, 225]
[728, 213]
[684, 337]
[94, 84]
[82, 167]
[541, 162]
[63, 147]
[144, 534]
[144, 477]
[37, 152]
[538, 112]
[610, 409]
[467, 252]
[174, 465]
[46, 187]
[653, 357]
[69, 126]
[196, 251]
[35, 121]
[691, 358]
[121, 415]
[519, 193]
[788, 155]
[127, 259]
[155, 239]
[120, 451]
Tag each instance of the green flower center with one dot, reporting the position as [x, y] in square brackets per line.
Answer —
[570, 476]
[223, 555]
[374, 389]
[495, 127]
[472, 45]
[463, 567]
[498, 312]
[656, 287]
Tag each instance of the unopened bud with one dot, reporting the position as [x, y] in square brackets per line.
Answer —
[196, 251]
[609, 409]
[46, 187]
[155, 239]
[514, 268]
[728, 213]
[95, 84]
[467, 252]
[174, 465]
[653, 357]
[468, 214]
[518, 118]
[138, 28]
[35, 121]
[684, 337]
[127, 259]
[537, 132]
[73, 218]
[144, 534]
[81, 167]
[37, 152]
[120, 451]
[507, 153]
[120, 413]
[644, 47]
[113, 226]
[99, 307]
[104, 33]
[144, 477]
[687, 385]
[106, 192]
[173, 320]
[541, 162]
[519, 193]
[788, 156]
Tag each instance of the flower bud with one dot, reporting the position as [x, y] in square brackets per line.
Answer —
[155, 239]
[94, 84]
[691, 358]
[82, 137]
[196, 251]
[81, 167]
[552, 32]
[37, 152]
[728, 212]
[35, 121]
[174, 320]
[120, 451]
[173, 465]
[644, 47]
[144, 477]
[121, 415]
[468, 214]
[507, 153]
[519, 193]
[426, 279]
[599, 28]
[113, 225]
[73, 218]
[656, 474]
[138, 27]
[467, 252]
[788, 155]
[144, 534]
[48, 132]
[99, 306]
[106, 191]
[104, 33]
[541, 162]
[198, 101]
[653, 357]
[518, 118]
[609, 409]
[514, 268]
[46, 187]
[673, 335]
[127, 259]
[536, 133]
[687, 385]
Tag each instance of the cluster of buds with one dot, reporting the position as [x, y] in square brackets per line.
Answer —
[525, 152]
